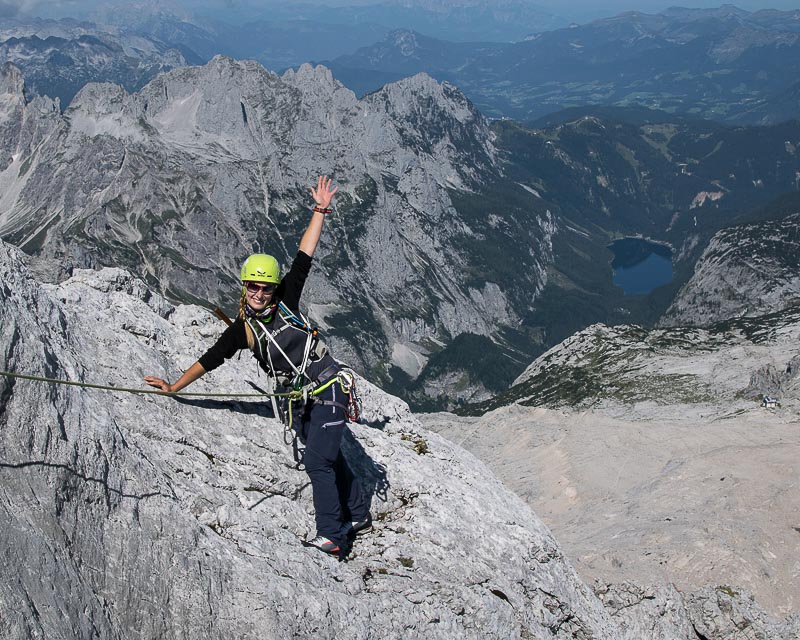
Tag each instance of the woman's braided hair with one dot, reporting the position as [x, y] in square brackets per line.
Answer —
[251, 339]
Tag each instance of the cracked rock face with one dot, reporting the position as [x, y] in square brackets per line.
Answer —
[182, 518]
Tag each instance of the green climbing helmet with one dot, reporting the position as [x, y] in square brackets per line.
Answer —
[260, 267]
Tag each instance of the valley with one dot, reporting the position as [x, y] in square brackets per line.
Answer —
[650, 456]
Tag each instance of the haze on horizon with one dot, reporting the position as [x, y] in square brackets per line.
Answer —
[243, 10]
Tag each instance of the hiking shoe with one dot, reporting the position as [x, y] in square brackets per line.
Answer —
[361, 527]
[323, 544]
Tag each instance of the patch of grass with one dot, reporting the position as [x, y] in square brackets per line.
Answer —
[420, 444]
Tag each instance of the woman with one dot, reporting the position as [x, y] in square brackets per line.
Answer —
[269, 323]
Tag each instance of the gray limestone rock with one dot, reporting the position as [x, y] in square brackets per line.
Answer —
[721, 613]
[655, 612]
[159, 517]
[729, 613]
[770, 381]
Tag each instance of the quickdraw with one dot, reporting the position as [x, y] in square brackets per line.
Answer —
[347, 380]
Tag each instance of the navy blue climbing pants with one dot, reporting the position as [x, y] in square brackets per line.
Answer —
[337, 494]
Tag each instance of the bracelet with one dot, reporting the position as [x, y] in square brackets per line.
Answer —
[322, 210]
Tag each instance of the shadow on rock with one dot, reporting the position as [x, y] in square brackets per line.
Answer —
[262, 409]
[372, 475]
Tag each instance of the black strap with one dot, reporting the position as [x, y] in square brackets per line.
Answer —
[326, 374]
[328, 403]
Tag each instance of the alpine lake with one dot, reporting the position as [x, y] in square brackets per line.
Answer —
[639, 265]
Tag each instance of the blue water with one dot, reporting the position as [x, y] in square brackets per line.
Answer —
[640, 266]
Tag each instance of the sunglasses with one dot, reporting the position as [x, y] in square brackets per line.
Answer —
[253, 287]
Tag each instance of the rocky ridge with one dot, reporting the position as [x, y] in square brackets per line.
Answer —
[177, 185]
[746, 270]
[625, 369]
[183, 517]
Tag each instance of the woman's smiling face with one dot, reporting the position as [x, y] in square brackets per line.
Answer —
[259, 294]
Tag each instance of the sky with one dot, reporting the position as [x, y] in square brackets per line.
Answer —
[580, 10]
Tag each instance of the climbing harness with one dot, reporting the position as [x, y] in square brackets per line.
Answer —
[302, 390]
[265, 338]
[311, 391]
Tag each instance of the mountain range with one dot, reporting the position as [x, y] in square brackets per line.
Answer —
[60, 57]
[723, 64]
[461, 20]
[179, 185]
[440, 211]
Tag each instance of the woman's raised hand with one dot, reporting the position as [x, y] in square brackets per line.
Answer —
[323, 193]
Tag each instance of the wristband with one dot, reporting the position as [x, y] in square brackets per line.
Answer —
[322, 210]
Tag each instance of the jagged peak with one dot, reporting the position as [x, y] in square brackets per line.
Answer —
[308, 72]
[317, 80]
[421, 79]
[447, 96]
[98, 98]
[215, 77]
[105, 109]
[11, 80]
[418, 83]
[224, 65]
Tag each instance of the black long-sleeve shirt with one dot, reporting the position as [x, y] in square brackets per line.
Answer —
[288, 291]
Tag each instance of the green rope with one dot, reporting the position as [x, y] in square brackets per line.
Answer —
[151, 391]
[297, 395]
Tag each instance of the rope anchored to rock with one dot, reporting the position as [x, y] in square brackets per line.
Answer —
[147, 391]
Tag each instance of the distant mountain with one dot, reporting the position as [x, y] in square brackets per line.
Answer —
[275, 43]
[59, 58]
[716, 64]
[281, 34]
[724, 64]
[455, 20]
[458, 20]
